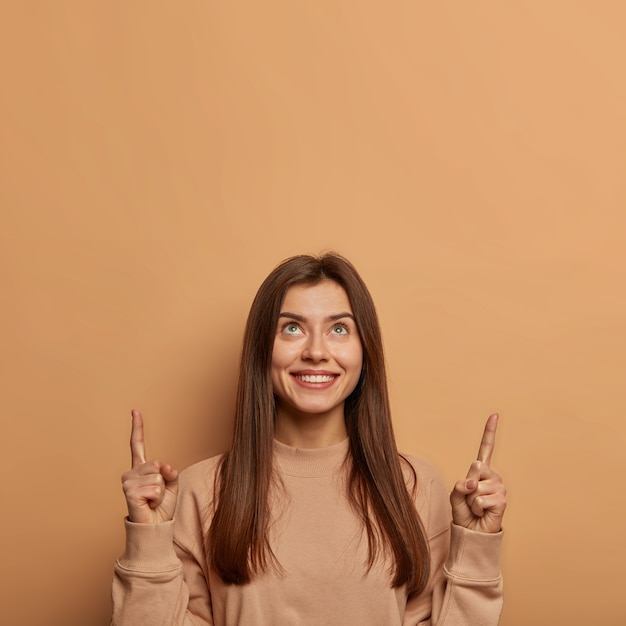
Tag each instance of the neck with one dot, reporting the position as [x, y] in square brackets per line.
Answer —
[310, 430]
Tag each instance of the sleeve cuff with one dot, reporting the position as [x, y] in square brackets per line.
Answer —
[149, 547]
[474, 555]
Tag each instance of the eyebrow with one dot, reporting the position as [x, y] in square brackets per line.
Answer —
[330, 318]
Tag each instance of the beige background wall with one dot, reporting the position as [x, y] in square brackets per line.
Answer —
[158, 159]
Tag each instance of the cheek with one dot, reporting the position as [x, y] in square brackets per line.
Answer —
[358, 364]
[275, 372]
[284, 354]
[276, 364]
[352, 359]
[281, 354]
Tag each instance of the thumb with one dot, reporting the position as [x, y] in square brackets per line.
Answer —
[170, 477]
[461, 489]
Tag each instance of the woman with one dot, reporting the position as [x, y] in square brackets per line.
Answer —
[312, 517]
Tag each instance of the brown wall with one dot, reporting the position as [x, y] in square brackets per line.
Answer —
[158, 159]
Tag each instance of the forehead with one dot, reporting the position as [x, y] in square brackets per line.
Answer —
[326, 297]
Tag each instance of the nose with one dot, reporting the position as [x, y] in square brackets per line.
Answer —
[315, 348]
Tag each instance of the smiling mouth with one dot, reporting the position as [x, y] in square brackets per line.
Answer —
[317, 378]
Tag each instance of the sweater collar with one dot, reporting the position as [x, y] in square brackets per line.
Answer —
[310, 461]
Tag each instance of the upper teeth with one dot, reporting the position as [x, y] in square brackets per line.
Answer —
[318, 378]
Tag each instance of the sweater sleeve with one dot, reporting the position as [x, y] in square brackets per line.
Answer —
[157, 583]
[161, 578]
[465, 585]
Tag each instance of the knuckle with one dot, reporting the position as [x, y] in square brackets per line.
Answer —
[154, 467]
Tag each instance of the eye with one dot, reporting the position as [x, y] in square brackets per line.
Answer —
[291, 328]
[340, 329]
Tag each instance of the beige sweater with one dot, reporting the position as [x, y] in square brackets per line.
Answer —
[163, 577]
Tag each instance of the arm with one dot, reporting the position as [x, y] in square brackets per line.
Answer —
[157, 580]
[465, 586]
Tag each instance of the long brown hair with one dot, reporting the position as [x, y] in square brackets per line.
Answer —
[238, 543]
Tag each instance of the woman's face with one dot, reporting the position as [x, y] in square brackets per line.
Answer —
[317, 356]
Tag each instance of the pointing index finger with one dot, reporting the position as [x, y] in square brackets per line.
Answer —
[488, 441]
[137, 448]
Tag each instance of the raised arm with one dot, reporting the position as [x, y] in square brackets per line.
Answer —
[465, 585]
[150, 585]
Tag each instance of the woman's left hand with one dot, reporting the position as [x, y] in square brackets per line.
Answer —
[478, 501]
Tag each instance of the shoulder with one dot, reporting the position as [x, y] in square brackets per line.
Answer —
[196, 482]
[429, 493]
[196, 487]
[416, 469]
[200, 471]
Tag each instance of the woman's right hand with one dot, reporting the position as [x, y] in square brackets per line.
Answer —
[151, 488]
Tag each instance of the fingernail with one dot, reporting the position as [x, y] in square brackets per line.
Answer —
[470, 484]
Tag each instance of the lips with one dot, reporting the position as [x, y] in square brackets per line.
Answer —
[315, 377]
